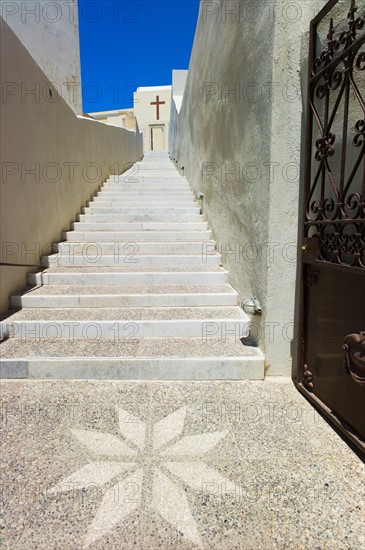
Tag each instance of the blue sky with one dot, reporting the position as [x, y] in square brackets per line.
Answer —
[125, 44]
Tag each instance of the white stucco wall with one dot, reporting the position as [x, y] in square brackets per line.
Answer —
[53, 162]
[238, 136]
[50, 32]
[178, 86]
[177, 94]
[287, 147]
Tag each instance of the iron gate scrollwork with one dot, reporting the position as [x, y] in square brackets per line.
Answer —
[335, 178]
[332, 352]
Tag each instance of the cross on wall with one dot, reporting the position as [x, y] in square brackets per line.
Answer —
[158, 103]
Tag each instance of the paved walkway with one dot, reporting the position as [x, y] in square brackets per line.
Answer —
[174, 465]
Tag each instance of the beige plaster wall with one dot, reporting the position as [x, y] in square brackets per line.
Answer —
[120, 118]
[52, 163]
[238, 135]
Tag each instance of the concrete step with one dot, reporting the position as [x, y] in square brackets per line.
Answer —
[120, 329]
[138, 178]
[122, 300]
[135, 176]
[129, 275]
[141, 226]
[136, 236]
[129, 313]
[147, 359]
[138, 173]
[132, 210]
[164, 194]
[124, 289]
[153, 163]
[136, 269]
[113, 218]
[132, 249]
[142, 203]
[130, 258]
[145, 205]
[143, 186]
[162, 169]
[144, 197]
[158, 168]
[145, 165]
[146, 192]
[148, 175]
[106, 277]
[158, 188]
[104, 297]
[152, 166]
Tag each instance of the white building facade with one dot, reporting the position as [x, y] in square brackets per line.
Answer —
[152, 107]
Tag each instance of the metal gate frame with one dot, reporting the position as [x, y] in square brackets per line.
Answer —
[337, 249]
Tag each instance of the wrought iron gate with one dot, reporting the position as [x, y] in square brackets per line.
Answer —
[332, 354]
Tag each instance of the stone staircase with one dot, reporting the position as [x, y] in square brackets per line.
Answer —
[135, 291]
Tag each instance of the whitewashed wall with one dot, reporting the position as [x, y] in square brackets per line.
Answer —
[239, 137]
[50, 32]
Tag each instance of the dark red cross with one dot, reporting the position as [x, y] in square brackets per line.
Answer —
[158, 103]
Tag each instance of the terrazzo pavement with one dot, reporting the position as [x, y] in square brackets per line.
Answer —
[174, 465]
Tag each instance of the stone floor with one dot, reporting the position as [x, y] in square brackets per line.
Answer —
[174, 465]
